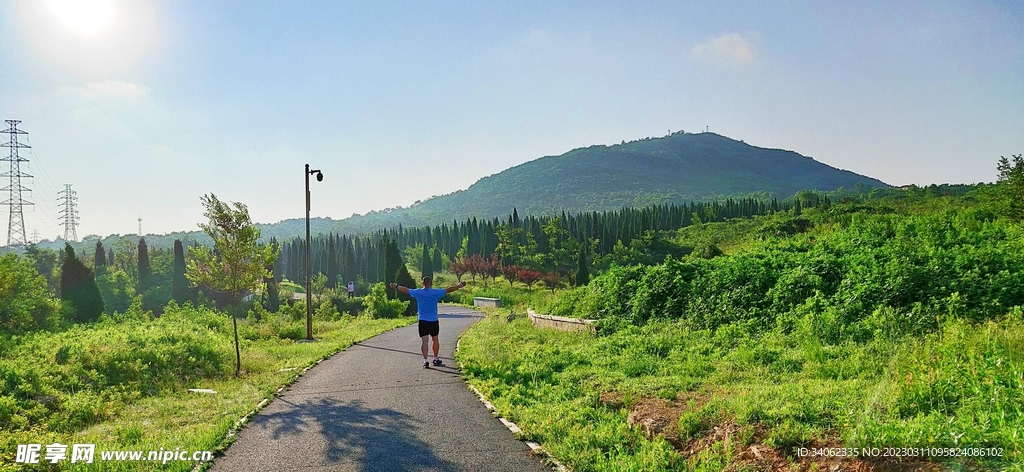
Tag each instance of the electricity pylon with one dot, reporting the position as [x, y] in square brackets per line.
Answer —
[16, 223]
[69, 214]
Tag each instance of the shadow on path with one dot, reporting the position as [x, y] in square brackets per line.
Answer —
[355, 434]
[370, 346]
[443, 315]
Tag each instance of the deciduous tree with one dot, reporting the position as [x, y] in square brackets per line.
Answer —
[1010, 185]
[25, 302]
[459, 267]
[551, 280]
[509, 272]
[528, 277]
[237, 263]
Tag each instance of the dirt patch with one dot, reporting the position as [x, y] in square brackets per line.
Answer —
[612, 400]
[659, 417]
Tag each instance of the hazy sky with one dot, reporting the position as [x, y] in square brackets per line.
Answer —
[146, 106]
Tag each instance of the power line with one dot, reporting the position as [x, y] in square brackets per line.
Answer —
[69, 214]
[49, 213]
[16, 222]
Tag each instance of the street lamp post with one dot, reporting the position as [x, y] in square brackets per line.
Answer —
[309, 268]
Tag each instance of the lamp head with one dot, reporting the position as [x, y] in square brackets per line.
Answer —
[319, 177]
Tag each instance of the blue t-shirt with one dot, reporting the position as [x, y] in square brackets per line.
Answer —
[426, 301]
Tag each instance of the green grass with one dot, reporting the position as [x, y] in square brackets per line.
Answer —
[123, 384]
[961, 386]
[289, 286]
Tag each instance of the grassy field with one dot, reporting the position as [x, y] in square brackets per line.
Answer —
[729, 399]
[889, 324]
[123, 384]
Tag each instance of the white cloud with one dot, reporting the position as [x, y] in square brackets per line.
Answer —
[731, 49]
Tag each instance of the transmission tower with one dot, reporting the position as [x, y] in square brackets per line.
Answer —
[69, 213]
[35, 236]
[16, 223]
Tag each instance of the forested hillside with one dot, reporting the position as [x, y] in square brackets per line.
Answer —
[678, 168]
[889, 321]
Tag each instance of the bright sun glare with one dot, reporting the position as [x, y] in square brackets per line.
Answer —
[87, 16]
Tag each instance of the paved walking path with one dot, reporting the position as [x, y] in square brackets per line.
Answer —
[373, 407]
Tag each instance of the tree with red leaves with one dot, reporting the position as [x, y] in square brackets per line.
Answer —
[510, 272]
[551, 279]
[459, 267]
[528, 277]
[489, 267]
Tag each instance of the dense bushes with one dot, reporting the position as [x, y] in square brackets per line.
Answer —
[67, 380]
[379, 306]
[871, 275]
[25, 303]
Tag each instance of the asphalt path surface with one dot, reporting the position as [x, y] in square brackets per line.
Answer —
[373, 407]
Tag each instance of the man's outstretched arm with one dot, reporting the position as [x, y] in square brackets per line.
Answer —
[455, 287]
[400, 288]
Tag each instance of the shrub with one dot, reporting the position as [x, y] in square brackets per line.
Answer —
[378, 306]
[25, 304]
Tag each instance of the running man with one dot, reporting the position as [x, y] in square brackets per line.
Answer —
[426, 306]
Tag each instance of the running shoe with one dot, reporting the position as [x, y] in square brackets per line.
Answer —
[426, 365]
[437, 361]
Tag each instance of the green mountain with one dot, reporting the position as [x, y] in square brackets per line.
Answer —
[677, 168]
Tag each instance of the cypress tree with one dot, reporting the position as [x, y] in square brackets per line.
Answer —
[110, 256]
[280, 262]
[271, 300]
[144, 268]
[332, 262]
[392, 261]
[582, 270]
[350, 271]
[427, 266]
[78, 288]
[404, 278]
[437, 259]
[99, 260]
[179, 284]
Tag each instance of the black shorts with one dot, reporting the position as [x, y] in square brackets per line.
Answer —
[429, 328]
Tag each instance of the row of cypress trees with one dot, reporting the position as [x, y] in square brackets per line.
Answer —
[345, 257]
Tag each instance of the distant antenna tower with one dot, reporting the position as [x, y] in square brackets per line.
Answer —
[16, 224]
[69, 214]
[140, 226]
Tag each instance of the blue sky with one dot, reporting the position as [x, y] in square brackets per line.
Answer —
[146, 106]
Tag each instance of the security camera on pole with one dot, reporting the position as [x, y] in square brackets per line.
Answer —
[309, 268]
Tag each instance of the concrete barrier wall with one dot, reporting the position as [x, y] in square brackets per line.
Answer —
[561, 323]
[482, 301]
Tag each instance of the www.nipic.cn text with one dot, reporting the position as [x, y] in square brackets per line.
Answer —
[86, 454]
